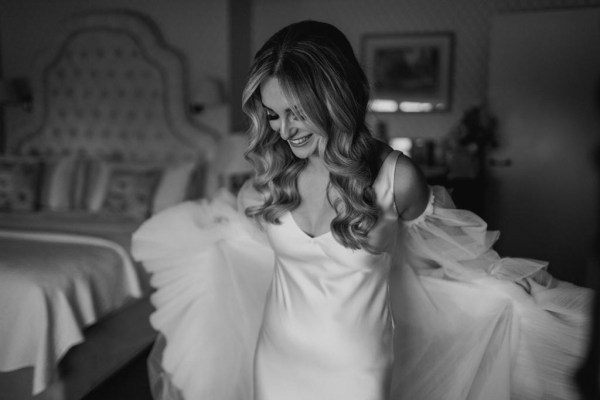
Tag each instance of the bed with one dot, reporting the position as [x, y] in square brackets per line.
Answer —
[109, 143]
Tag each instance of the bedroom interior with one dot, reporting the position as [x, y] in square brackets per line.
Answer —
[132, 106]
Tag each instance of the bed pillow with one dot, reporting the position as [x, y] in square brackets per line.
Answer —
[125, 189]
[20, 179]
[63, 183]
[130, 193]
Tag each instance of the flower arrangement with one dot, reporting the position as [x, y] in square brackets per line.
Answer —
[467, 142]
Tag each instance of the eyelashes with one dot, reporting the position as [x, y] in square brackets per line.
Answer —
[295, 117]
[294, 114]
[298, 116]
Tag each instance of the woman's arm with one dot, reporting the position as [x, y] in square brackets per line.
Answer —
[411, 192]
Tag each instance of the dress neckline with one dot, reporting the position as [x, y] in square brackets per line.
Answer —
[291, 217]
[327, 233]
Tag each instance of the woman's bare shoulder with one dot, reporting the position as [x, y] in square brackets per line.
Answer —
[411, 191]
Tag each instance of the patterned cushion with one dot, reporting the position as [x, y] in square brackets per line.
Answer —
[122, 188]
[114, 186]
[19, 182]
[130, 192]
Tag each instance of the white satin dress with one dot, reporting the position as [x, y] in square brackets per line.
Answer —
[434, 314]
[327, 327]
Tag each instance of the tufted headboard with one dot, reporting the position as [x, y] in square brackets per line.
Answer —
[108, 86]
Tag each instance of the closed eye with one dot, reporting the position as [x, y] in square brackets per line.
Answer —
[295, 115]
[271, 116]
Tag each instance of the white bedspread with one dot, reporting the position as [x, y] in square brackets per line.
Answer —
[52, 286]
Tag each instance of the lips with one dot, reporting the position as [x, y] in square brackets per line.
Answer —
[300, 141]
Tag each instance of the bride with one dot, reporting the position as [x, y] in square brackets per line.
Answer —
[338, 273]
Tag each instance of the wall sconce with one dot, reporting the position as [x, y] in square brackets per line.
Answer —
[231, 166]
[15, 92]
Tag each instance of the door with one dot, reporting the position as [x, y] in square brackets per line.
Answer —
[543, 183]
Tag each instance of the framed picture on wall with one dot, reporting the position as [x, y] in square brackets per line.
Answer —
[409, 72]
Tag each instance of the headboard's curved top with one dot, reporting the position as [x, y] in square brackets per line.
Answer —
[108, 86]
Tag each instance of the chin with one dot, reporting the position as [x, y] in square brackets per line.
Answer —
[300, 153]
[305, 151]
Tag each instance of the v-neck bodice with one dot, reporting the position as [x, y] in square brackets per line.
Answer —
[383, 187]
[290, 216]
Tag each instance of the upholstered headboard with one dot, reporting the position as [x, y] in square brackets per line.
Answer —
[108, 86]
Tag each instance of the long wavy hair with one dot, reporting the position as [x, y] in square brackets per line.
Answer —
[318, 73]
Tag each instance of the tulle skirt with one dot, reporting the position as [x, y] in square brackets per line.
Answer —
[468, 324]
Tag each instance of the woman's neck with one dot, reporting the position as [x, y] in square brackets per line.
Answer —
[316, 165]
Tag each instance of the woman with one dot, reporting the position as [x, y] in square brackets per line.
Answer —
[330, 212]
[313, 293]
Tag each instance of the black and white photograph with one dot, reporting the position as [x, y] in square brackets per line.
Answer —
[299, 200]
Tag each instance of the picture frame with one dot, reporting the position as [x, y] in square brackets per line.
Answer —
[409, 72]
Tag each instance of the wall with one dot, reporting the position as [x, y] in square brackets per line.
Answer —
[201, 30]
[542, 87]
[196, 27]
[468, 19]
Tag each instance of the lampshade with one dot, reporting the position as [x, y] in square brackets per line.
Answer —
[231, 166]
[230, 155]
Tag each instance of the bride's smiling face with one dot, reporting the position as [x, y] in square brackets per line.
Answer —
[287, 120]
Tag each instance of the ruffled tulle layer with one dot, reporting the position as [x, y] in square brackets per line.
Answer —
[211, 272]
[468, 323]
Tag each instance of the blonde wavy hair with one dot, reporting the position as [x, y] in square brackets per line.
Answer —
[319, 73]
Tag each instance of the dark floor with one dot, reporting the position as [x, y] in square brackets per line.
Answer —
[131, 383]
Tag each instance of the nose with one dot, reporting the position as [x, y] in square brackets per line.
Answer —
[286, 131]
